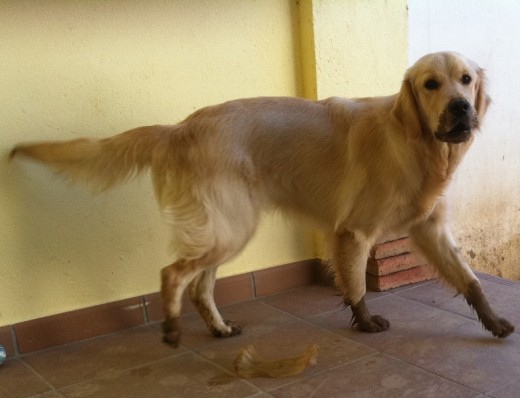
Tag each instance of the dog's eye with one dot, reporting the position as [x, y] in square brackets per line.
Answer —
[431, 84]
[466, 79]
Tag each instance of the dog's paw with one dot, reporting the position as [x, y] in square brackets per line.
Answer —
[172, 339]
[232, 329]
[171, 332]
[374, 324]
[500, 328]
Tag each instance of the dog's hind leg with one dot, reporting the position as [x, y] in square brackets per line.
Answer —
[199, 274]
[201, 291]
[174, 280]
[434, 240]
[214, 227]
[350, 253]
[176, 277]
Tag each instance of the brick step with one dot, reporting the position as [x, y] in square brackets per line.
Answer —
[391, 248]
[401, 278]
[389, 265]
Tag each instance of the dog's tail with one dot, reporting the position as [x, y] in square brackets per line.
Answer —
[100, 163]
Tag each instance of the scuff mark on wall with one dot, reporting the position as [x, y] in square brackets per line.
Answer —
[490, 239]
[499, 260]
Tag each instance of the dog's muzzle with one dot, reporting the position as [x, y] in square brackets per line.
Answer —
[461, 117]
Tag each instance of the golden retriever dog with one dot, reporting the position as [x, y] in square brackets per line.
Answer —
[355, 167]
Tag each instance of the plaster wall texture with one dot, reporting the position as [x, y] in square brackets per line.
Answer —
[96, 68]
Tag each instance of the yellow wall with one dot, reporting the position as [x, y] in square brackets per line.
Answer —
[361, 47]
[352, 48]
[95, 68]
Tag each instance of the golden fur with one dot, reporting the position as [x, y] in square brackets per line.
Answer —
[355, 167]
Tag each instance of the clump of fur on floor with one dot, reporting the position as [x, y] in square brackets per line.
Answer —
[248, 364]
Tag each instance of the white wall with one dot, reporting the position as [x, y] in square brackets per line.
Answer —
[485, 194]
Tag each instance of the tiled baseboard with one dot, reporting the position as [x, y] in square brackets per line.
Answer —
[55, 330]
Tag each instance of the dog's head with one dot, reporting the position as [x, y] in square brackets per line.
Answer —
[443, 95]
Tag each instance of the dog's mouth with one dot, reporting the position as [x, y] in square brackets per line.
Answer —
[457, 122]
[461, 132]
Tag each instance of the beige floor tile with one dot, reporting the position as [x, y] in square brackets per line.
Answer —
[509, 391]
[307, 301]
[434, 348]
[186, 375]
[254, 317]
[376, 376]
[101, 356]
[502, 297]
[441, 342]
[17, 380]
[287, 341]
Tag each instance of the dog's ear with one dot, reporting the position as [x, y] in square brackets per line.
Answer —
[482, 99]
[406, 111]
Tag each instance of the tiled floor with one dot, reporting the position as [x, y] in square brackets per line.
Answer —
[435, 348]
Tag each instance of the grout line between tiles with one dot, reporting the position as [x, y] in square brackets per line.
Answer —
[261, 394]
[51, 387]
[412, 286]
[144, 308]
[72, 343]
[198, 350]
[56, 393]
[308, 321]
[201, 347]
[489, 393]
[321, 372]
[230, 373]
[121, 371]
[340, 307]
[498, 280]
[431, 372]
[14, 342]
[471, 317]
[195, 352]
[253, 285]
[296, 317]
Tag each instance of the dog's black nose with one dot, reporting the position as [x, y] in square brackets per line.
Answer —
[458, 107]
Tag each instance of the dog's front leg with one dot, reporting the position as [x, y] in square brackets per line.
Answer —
[433, 238]
[349, 258]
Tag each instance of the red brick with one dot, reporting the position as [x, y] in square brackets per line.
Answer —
[391, 248]
[393, 264]
[390, 236]
[402, 278]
